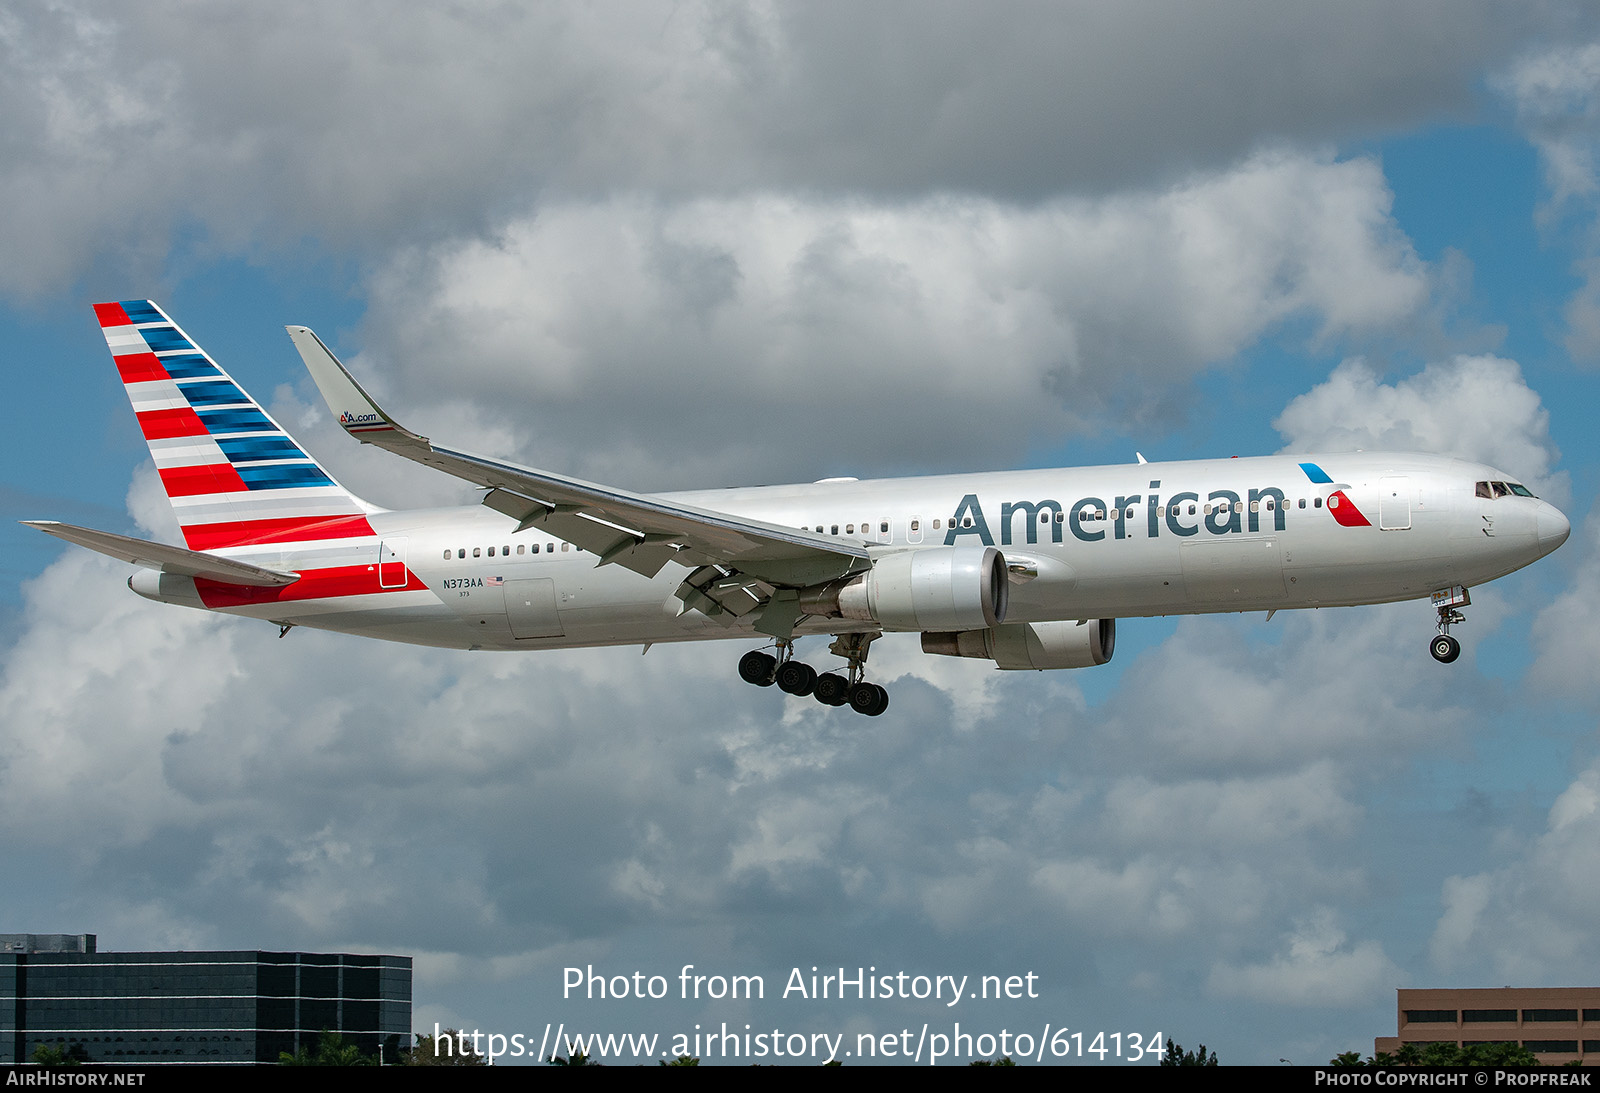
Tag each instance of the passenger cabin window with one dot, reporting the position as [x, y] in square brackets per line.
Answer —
[916, 525]
[883, 527]
[447, 555]
[1316, 503]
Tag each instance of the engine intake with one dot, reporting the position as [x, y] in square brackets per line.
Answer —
[1031, 645]
[940, 588]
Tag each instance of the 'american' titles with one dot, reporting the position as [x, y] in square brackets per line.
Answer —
[1091, 519]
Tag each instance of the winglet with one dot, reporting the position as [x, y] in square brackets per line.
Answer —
[354, 409]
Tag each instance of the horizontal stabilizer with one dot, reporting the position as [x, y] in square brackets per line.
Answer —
[168, 559]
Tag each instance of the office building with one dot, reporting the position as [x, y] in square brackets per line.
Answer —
[1558, 1024]
[240, 1007]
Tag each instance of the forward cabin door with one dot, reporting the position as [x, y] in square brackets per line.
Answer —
[1394, 503]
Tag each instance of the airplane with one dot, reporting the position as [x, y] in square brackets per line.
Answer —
[1027, 569]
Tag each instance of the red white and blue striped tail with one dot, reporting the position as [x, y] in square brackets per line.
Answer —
[234, 476]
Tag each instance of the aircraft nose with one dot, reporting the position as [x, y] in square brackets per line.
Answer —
[1553, 526]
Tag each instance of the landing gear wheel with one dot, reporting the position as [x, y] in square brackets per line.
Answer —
[832, 689]
[1445, 649]
[796, 678]
[869, 699]
[757, 667]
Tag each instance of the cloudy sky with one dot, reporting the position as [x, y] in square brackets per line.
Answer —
[690, 244]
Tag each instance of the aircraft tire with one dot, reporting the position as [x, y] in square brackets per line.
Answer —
[756, 667]
[796, 678]
[831, 689]
[1445, 649]
[869, 699]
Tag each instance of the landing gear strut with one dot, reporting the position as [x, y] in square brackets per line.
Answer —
[1445, 648]
[851, 689]
[831, 688]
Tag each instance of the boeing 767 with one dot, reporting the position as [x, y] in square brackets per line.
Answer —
[1029, 569]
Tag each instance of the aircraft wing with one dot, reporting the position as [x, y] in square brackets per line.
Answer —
[168, 559]
[742, 564]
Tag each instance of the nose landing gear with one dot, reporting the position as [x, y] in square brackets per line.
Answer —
[1446, 649]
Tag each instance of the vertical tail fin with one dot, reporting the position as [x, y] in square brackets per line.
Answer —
[233, 475]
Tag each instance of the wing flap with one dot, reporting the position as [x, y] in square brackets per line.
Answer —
[168, 559]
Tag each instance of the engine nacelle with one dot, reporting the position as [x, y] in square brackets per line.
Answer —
[940, 588]
[1031, 645]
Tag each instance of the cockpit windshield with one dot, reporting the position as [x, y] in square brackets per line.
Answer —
[1491, 490]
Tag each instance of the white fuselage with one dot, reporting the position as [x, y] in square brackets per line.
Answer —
[1080, 543]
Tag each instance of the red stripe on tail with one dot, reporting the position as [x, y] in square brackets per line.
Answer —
[206, 478]
[163, 424]
[140, 368]
[111, 315]
[293, 529]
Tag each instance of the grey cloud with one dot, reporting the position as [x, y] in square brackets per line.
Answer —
[1532, 918]
[1318, 966]
[846, 331]
[1478, 408]
[1555, 91]
[128, 127]
[1566, 632]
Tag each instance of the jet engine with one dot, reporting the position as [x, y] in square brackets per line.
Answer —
[1031, 645]
[940, 588]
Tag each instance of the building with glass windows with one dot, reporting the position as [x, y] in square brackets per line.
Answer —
[241, 1007]
[1559, 1024]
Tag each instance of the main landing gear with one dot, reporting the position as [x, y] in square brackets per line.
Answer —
[829, 688]
[1446, 649]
